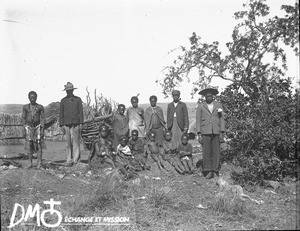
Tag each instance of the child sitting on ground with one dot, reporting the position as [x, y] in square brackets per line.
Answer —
[104, 148]
[152, 147]
[136, 145]
[124, 159]
[185, 150]
[171, 153]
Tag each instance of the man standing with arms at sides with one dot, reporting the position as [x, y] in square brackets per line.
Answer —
[177, 117]
[33, 120]
[210, 126]
[70, 120]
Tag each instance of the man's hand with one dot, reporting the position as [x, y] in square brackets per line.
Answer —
[63, 130]
[222, 137]
[200, 139]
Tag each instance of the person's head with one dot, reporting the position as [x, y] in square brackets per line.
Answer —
[176, 96]
[153, 100]
[168, 135]
[209, 93]
[134, 134]
[152, 136]
[209, 97]
[103, 131]
[69, 88]
[123, 140]
[121, 109]
[134, 101]
[184, 139]
[32, 96]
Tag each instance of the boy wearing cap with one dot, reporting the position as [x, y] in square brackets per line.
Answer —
[210, 125]
[177, 117]
[70, 118]
[135, 116]
[33, 120]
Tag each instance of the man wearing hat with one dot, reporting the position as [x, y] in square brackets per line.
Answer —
[177, 117]
[210, 125]
[70, 118]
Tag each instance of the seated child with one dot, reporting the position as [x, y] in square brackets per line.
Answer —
[104, 149]
[154, 150]
[136, 145]
[124, 159]
[185, 150]
[171, 153]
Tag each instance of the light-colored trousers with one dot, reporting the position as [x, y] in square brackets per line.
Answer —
[73, 143]
[176, 132]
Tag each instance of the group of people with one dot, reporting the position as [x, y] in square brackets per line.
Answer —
[137, 134]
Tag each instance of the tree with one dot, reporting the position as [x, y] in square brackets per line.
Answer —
[254, 38]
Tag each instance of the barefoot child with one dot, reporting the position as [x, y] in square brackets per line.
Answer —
[103, 149]
[185, 150]
[152, 147]
[120, 125]
[33, 120]
[171, 153]
[136, 145]
[124, 159]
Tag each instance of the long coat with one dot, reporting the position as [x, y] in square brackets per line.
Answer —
[207, 122]
[181, 115]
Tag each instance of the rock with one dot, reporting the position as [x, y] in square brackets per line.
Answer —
[274, 184]
[136, 181]
[12, 167]
[166, 189]
[3, 168]
[200, 206]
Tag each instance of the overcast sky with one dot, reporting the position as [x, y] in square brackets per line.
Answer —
[118, 47]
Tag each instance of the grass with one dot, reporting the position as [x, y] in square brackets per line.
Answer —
[168, 203]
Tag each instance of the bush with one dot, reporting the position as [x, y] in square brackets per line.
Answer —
[262, 132]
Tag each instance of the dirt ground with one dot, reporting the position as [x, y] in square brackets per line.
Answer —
[153, 200]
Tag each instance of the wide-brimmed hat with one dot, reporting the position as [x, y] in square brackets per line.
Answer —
[212, 90]
[69, 86]
[175, 92]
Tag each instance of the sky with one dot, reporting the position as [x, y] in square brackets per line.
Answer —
[116, 47]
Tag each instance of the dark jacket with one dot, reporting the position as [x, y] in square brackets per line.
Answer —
[181, 115]
[207, 122]
[71, 111]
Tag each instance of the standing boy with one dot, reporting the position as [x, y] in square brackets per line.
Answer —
[177, 117]
[33, 120]
[135, 116]
[120, 125]
[70, 120]
[154, 120]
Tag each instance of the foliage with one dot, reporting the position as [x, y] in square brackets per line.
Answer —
[255, 39]
[263, 135]
[262, 121]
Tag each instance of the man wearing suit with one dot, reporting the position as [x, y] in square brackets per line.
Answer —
[177, 117]
[210, 126]
[70, 120]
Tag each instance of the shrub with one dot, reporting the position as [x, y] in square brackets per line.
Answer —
[262, 132]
